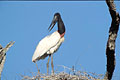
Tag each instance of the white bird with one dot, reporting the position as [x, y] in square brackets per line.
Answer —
[51, 43]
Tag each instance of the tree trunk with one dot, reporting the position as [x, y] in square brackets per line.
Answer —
[110, 49]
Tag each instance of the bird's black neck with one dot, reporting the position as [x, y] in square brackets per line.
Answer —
[61, 27]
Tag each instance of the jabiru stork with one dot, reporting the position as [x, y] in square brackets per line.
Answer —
[51, 43]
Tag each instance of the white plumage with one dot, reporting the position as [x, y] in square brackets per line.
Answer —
[47, 45]
[50, 44]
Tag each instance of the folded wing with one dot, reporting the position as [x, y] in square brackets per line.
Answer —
[45, 45]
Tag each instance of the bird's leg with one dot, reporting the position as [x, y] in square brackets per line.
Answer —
[52, 64]
[38, 69]
[48, 65]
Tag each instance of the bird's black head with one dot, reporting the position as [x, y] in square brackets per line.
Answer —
[54, 21]
[57, 19]
[57, 16]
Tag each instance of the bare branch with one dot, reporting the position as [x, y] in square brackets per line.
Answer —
[3, 55]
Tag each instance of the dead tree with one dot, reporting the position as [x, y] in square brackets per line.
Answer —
[3, 55]
[110, 49]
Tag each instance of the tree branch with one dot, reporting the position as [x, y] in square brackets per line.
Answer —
[110, 49]
[3, 55]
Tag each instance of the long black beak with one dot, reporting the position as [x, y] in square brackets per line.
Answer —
[52, 24]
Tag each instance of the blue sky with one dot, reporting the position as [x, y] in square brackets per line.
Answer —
[87, 25]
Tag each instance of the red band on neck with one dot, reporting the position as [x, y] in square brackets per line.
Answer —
[62, 34]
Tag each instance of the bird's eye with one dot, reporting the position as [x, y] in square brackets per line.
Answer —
[55, 17]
